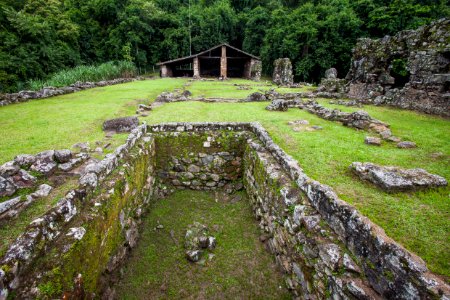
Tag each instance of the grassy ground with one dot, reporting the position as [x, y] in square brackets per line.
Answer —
[419, 220]
[229, 88]
[240, 269]
[62, 121]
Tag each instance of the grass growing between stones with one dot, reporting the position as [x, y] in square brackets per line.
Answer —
[240, 269]
[11, 229]
[418, 220]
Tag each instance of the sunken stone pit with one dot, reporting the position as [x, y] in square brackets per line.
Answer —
[324, 247]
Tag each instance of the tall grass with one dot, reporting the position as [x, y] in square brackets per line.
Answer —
[107, 71]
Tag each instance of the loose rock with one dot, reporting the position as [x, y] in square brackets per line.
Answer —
[370, 140]
[395, 179]
[125, 124]
[406, 145]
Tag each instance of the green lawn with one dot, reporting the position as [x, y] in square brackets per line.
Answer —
[229, 88]
[240, 269]
[62, 121]
[420, 220]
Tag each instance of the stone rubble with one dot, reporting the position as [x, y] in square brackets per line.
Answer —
[370, 140]
[332, 84]
[197, 241]
[406, 145]
[358, 119]
[15, 175]
[395, 179]
[125, 124]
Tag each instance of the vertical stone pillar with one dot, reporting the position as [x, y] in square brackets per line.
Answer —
[223, 63]
[164, 71]
[196, 67]
[248, 69]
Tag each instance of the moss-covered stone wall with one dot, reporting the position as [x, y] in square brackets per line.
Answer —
[201, 160]
[73, 250]
[324, 246]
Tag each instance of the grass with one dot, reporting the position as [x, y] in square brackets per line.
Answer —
[240, 269]
[418, 220]
[229, 88]
[60, 122]
[107, 71]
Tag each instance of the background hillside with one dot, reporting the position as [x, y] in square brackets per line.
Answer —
[40, 37]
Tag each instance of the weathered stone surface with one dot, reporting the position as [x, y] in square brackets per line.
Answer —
[408, 70]
[197, 241]
[125, 124]
[331, 255]
[84, 147]
[7, 188]
[256, 97]
[406, 145]
[278, 105]
[63, 156]
[23, 179]
[395, 179]
[194, 255]
[42, 191]
[9, 169]
[282, 72]
[45, 163]
[24, 160]
[370, 140]
[331, 73]
[6, 205]
[76, 232]
[266, 168]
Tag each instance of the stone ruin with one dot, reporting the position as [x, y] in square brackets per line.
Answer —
[282, 72]
[408, 70]
[197, 242]
[324, 247]
[332, 84]
[124, 124]
[394, 179]
[38, 174]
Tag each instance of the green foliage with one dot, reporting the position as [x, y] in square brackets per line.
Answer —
[399, 67]
[106, 71]
[40, 37]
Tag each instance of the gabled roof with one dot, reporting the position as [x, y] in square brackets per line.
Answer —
[206, 51]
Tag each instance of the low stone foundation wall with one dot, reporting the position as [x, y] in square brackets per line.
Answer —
[89, 231]
[325, 247]
[200, 161]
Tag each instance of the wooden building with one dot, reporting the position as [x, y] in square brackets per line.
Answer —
[221, 61]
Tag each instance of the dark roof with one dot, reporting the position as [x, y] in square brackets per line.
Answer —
[203, 52]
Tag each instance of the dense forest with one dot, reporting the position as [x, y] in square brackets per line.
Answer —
[39, 37]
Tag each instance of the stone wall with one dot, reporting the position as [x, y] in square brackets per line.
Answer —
[282, 72]
[325, 247]
[88, 232]
[409, 70]
[200, 161]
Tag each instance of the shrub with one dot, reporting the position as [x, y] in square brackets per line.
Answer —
[107, 71]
